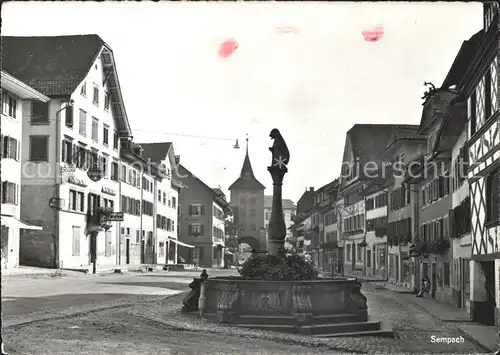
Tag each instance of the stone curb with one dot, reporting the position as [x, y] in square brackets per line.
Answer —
[9, 323]
[251, 333]
[28, 275]
[475, 341]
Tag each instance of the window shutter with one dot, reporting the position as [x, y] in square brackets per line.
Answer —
[6, 147]
[451, 222]
[18, 151]
[63, 153]
[202, 227]
[440, 187]
[202, 209]
[190, 230]
[441, 228]
[16, 193]
[69, 116]
[190, 210]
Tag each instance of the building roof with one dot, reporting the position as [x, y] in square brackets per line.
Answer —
[463, 59]
[247, 179]
[412, 133]
[221, 200]
[368, 145]
[155, 151]
[56, 65]
[287, 203]
[439, 101]
[20, 89]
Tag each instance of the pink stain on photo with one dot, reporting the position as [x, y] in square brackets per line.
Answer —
[227, 48]
[374, 34]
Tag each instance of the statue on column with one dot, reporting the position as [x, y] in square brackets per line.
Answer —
[279, 150]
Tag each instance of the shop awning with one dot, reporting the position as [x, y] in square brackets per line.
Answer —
[181, 243]
[218, 243]
[13, 222]
[229, 253]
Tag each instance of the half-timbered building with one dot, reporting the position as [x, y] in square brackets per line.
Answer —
[481, 88]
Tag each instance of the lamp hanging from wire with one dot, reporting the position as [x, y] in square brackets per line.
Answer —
[236, 145]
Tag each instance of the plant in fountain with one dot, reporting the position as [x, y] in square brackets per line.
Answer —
[277, 265]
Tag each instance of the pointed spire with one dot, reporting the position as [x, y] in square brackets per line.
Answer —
[247, 179]
[246, 169]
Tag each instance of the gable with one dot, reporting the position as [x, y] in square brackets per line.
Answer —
[58, 65]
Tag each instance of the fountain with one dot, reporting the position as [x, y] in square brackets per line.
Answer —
[282, 292]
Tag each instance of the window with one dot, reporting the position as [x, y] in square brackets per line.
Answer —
[268, 214]
[115, 140]
[68, 111]
[9, 105]
[161, 249]
[83, 90]
[196, 210]
[95, 97]
[81, 201]
[82, 158]
[114, 171]
[105, 134]
[137, 237]
[67, 152]
[195, 230]
[253, 201]
[348, 252]
[493, 197]
[165, 198]
[10, 193]
[123, 176]
[253, 212]
[76, 241]
[39, 148]
[472, 114]
[174, 202]
[10, 148]
[72, 202]
[83, 123]
[108, 246]
[359, 252]
[487, 94]
[368, 258]
[39, 112]
[104, 166]
[95, 129]
[446, 274]
[253, 227]
[106, 101]
[159, 195]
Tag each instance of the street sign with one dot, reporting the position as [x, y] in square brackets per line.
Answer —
[95, 173]
[114, 217]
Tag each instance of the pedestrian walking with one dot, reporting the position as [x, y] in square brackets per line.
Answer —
[425, 286]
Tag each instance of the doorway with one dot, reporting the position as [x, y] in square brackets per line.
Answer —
[143, 251]
[433, 280]
[127, 251]
[353, 267]
[486, 310]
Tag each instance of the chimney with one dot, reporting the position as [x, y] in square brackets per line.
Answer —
[311, 189]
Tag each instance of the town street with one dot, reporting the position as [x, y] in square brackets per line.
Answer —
[135, 313]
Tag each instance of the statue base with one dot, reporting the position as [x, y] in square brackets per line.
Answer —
[275, 246]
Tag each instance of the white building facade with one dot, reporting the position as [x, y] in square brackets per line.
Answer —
[15, 96]
[80, 128]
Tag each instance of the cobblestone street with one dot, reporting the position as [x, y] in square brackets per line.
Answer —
[148, 322]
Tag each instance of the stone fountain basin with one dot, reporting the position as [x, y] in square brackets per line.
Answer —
[322, 307]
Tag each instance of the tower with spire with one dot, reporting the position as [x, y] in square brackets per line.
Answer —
[247, 200]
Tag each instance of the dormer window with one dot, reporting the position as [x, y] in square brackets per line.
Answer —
[83, 90]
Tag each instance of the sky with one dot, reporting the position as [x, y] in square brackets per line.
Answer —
[313, 83]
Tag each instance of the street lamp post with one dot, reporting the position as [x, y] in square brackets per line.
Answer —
[55, 234]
